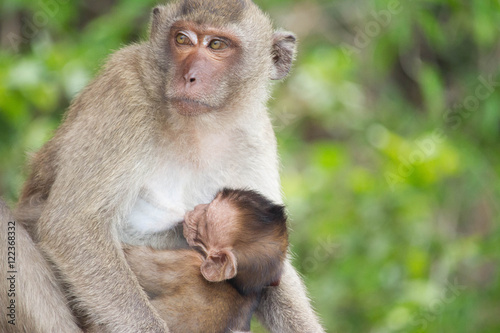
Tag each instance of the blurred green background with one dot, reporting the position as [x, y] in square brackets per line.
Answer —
[388, 128]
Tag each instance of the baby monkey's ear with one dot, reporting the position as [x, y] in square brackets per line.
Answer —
[219, 266]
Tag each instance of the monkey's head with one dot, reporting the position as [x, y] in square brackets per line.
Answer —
[243, 238]
[208, 54]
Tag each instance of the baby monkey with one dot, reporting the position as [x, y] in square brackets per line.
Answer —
[238, 245]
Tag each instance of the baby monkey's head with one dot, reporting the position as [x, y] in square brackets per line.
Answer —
[243, 238]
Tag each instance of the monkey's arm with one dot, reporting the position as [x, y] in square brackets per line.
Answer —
[286, 308]
[80, 241]
[98, 158]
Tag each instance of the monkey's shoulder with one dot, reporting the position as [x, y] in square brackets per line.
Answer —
[118, 83]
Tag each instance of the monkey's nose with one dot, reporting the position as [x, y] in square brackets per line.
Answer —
[190, 78]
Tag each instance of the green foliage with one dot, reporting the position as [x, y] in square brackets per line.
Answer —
[388, 130]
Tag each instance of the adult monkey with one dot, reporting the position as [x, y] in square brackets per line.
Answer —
[166, 124]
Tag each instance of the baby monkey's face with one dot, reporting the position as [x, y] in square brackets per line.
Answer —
[241, 235]
[211, 226]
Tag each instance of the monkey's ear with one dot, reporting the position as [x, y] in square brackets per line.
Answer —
[283, 53]
[155, 21]
[219, 266]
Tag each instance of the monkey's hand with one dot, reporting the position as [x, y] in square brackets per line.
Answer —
[286, 308]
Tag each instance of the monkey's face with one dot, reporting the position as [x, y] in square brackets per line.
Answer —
[212, 230]
[211, 226]
[192, 221]
[215, 55]
[202, 60]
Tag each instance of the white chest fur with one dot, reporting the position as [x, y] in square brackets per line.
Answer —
[168, 195]
[182, 180]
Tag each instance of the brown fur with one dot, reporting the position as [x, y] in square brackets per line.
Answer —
[123, 133]
[184, 298]
[261, 241]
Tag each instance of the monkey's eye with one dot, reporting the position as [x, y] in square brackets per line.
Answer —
[182, 39]
[217, 44]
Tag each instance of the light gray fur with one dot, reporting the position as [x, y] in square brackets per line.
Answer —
[40, 305]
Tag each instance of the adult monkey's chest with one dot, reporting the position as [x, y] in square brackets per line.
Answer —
[183, 180]
[172, 191]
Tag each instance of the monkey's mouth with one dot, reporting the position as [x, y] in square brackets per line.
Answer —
[190, 107]
[186, 231]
